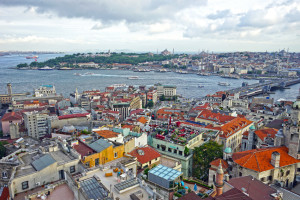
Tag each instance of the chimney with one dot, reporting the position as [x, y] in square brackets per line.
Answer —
[275, 159]
[219, 180]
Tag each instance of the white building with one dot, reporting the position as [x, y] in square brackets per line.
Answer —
[45, 90]
[36, 124]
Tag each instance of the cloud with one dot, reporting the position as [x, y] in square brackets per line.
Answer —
[108, 11]
[219, 14]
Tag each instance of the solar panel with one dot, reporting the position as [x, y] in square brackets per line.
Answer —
[43, 162]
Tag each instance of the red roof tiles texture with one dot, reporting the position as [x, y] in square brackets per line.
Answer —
[260, 159]
[149, 154]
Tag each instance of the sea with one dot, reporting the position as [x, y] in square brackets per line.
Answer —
[66, 81]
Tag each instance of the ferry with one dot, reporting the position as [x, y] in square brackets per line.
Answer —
[65, 68]
[45, 68]
[119, 85]
[31, 57]
[223, 84]
[133, 77]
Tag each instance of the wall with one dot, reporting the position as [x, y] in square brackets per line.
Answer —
[81, 121]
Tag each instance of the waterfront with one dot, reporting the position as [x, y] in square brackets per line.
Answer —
[188, 85]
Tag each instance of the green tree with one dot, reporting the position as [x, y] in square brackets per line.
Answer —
[162, 98]
[186, 151]
[146, 171]
[203, 155]
[2, 149]
[150, 104]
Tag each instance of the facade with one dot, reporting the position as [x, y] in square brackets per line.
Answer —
[45, 90]
[146, 156]
[169, 91]
[122, 108]
[8, 119]
[36, 124]
[269, 165]
[99, 152]
[136, 103]
[42, 168]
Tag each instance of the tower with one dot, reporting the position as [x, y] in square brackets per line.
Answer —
[9, 90]
[219, 180]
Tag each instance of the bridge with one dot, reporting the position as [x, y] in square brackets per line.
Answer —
[264, 87]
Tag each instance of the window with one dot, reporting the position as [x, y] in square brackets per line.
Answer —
[298, 170]
[116, 154]
[240, 174]
[169, 149]
[87, 164]
[175, 151]
[287, 172]
[72, 169]
[262, 179]
[158, 146]
[25, 185]
[4, 175]
[270, 178]
[180, 153]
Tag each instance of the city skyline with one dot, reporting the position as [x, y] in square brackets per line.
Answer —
[150, 25]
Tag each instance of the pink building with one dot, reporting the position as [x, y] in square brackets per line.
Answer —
[8, 118]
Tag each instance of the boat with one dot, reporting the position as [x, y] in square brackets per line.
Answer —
[89, 73]
[77, 74]
[181, 72]
[200, 86]
[31, 57]
[65, 68]
[223, 84]
[162, 70]
[119, 85]
[46, 68]
[133, 77]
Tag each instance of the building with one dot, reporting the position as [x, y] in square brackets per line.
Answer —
[99, 152]
[7, 98]
[42, 167]
[214, 168]
[110, 135]
[252, 187]
[168, 91]
[8, 119]
[269, 165]
[37, 124]
[146, 157]
[164, 180]
[122, 108]
[152, 96]
[136, 103]
[45, 90]
[226, 70]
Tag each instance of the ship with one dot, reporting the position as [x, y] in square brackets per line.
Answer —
[31, 57]
[45, 68]
[223, 84]
[200, 86]
[133, 77]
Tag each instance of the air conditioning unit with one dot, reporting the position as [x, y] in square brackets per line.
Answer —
[38, 183]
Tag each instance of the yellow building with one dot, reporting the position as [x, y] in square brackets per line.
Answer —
[136, 103]
[99, 152]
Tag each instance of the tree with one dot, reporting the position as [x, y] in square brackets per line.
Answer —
[146, 171]
[203, 155]
[162, 98]
[186, 151]
[2, 149]
[150, 104]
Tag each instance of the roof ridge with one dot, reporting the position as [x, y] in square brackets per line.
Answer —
[257, 163]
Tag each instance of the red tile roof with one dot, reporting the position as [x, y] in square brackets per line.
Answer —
[216, 117]
[232, 126]
[12, 116]
[149, 154]
[190, 196]
[73, 116]
[255, 188]
[83, 149]
[142, 119]
[107, 133]
[216, 163]
[263, 133]
[260, 159]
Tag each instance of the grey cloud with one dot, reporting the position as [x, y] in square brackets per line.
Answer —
[254, 18]
[108, 11]
[219, 14]
[293, 16]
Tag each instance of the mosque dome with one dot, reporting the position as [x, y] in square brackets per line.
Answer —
[228, 150]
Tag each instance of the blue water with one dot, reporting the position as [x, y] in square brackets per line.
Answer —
[66, 82]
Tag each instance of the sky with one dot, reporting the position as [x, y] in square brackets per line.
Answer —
[150, 25]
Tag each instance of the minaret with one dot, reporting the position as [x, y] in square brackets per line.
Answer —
[219, 180]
